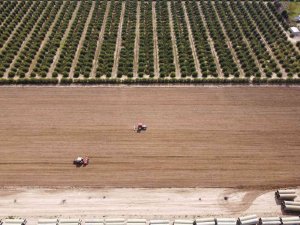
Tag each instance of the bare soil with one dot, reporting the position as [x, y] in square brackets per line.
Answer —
[153, 203]
[197, 136]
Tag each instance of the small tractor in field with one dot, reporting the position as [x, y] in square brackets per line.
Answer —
[140, 127]
[80, 161]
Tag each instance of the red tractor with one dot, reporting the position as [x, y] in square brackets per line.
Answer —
[80, 161]
[140, 127]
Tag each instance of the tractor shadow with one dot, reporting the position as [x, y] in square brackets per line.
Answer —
[78, 165]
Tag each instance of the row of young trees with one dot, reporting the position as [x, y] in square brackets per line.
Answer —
[166, 57]
[70, 46]
[186, 60]
[125, 67]
[163, 81]
[26, 56]
[6, 8]
[146, 58]
[238, 44]
[106, 57]
[13, 46]
[87, 53]
[146, 81]
[254, 30]
[249, 29]
[278, 16]
[224, 55]
[11, 18]
[203, 50]
[284, 50]
[47, 54]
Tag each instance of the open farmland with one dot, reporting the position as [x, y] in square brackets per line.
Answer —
[71, 41]
[197, 137]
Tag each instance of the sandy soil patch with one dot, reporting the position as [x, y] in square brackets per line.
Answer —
[136, 203]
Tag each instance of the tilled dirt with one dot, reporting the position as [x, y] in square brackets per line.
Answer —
[197, 136]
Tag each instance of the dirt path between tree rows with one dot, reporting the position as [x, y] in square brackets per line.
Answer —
[211, 44]
[12, 11]
[229, 44]
[82, 39]
[63, 40]
[137, 41]
[155, 42]
[191, 39]
[118, 43]
[174, 45]
[100, 41]
[28, 37]
[44, 42]
[284, 74]
[15, 29]
[263, 75]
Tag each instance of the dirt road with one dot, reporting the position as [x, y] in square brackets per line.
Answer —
[136, 203]
[197, 137]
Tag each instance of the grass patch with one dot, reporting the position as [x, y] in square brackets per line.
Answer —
[293, 9]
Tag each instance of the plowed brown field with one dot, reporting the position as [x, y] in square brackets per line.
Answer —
[197, 137]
